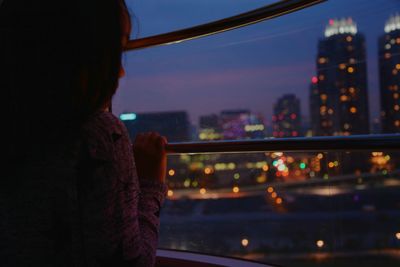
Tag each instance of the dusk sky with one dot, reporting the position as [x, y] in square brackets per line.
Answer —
[246, 68]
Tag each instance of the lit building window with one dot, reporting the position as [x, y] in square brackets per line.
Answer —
[330, 111]
[397, 123]
[398, 66]
[395, 72]
[349, 38]
[346, 126]
[203, 191]
[314, 80]
[235, 189]
[396, 107]
[342, 66]
[245, 242]
[350, 69]
[352, 90]
[170, 193]
[388, 46]
[352, 61]
[171, 172]
[396, 95]
[387, 55]
[353, 110]
[322, 60]
[324, 97]
[322, 110]
[343, 98]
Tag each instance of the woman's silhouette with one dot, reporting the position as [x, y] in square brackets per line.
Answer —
[71, 192]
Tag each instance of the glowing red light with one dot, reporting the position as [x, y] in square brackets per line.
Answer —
[331, 22]
[293, 116]
[273, 118]
[314, 80]
[294, 133]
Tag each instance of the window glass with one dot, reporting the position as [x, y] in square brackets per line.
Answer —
[331, 69]
[319, 71]
[154, 16]
[288, 209]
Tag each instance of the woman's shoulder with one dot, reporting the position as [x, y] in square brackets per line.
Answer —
[102, 131]
[104, 122]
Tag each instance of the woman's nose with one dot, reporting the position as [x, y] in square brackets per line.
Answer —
[121, 72]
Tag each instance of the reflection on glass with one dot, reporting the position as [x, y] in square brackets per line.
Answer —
[290, 209]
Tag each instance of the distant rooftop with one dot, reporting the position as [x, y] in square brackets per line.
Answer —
[340, 26]
[393, 23]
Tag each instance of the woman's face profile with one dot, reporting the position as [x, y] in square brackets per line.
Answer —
[126, 32]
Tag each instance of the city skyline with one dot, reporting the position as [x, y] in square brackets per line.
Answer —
[140, 93]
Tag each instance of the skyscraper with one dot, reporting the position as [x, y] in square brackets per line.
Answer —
[339, 93]
[287, 117]
[389, 70]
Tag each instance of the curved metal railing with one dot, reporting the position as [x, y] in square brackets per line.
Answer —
[329, 143]
[264, 13]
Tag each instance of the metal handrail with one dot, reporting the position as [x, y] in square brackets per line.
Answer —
[257, 15]
[327, 143]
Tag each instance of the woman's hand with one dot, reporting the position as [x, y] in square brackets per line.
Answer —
[150, 156]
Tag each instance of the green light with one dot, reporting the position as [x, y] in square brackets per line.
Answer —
[302, 165]
[127, 117]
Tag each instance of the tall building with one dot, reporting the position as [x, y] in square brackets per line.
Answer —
[389, 70]
[339, 93]
[286, 121]
[173, 125]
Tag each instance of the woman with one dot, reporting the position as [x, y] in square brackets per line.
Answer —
[71, 192]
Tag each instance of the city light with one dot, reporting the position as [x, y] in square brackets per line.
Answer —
[270, 189]
[314, 80]
[274, 195]
[278, 201]
[235, 189]
[207, 170]
[341, 26]
[202, 191]
[320, 243]
[398, 235]
[127, 116]
[393, 24]
[170, 193]
[245, 242]
[171, 172]
[186, 183]
[302, 165]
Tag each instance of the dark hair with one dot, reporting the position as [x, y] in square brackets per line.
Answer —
[59, 64]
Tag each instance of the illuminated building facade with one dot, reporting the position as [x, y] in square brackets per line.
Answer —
[339, 93]
[287, 117]
[389, 67]
[210, 128]
[241, 124]
[173, 125]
